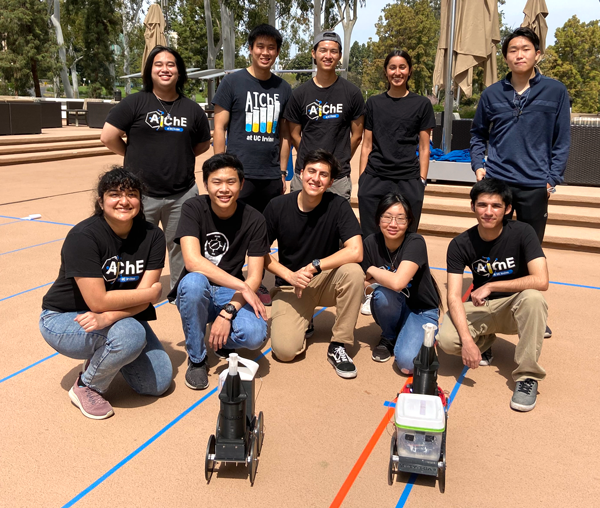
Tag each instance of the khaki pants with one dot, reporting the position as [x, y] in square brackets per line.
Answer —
[524, 314]
[290, 315]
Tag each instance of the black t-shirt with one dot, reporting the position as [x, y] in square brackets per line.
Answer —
[92, 249]
[305, 236]
[420, 291]
[255, 109]
[326, 115]
[224, 242]
[504, 258]
[396, 124]
[160, 144]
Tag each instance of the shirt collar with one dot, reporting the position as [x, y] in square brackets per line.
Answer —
[533, 81]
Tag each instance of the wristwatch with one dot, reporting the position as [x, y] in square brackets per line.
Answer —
[424, 181]
[317, 265]
[230, 309]
[551, 190]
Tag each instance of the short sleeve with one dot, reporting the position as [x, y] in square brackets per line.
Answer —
[427, 117]
[156, 257]
[259, 244]
[348, 225]
[416, 250]
[122, 115]
[224, 96]
[189, 222]
[81, 256]
[369, 114]
[201, 128]
[358, 105]
[454, 259]
[293, 111]
[271, 223]
[531, 244]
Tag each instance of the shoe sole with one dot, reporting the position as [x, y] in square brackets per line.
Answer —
[381, 360]
[341, 373]
[521, 407]
[485, 363]
[196, 387]
[77, 403]
[366, 312]
[308, 335]
[547, 335]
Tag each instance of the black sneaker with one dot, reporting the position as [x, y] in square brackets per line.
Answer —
[196, 376]
[224, 353]
[547, 332]
[310, 331]
[343, 364]
[525, 395]
[384, 351]
[486, 358]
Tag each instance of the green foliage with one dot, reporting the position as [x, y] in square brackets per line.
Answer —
[301, 61]
[28, 50]
[359, 53]
[410, 25]
[575, 61]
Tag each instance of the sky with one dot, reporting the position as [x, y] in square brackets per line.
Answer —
[559, 12]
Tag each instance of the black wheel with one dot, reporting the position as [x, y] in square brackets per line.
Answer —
[252, 458]
[259, 431]
[209, 464]
[442, 461]
[391, 467]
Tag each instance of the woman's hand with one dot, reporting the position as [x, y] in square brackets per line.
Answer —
[91, 321]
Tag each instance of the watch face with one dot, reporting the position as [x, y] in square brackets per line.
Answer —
[229, 308]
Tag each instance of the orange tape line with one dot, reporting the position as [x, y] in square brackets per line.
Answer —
[467, 293]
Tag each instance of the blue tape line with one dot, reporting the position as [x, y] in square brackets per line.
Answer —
[11, 222]
[457, 385]
[17, 219]
[29, 367]
[407, 489]
[30, 247]
[145, 445]
[26, 291]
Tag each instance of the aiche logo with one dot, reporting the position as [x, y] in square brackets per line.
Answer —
[317, 109]
[158, 121]
[114, 269]
[485, 267]
[215, 247]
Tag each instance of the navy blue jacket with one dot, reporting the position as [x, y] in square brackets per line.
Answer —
[530, 149]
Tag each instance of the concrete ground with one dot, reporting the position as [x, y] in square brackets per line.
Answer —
[321, 436]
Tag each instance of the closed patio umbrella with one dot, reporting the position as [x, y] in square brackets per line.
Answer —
[535, 18]
[155, 31]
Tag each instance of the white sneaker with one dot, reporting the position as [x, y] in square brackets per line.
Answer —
[365, 308]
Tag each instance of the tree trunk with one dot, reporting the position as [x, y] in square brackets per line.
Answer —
[36, 79]
[62, 53]
[272, 12]
[213, 49]
[74, 74]
[348, 20]
[228, 36]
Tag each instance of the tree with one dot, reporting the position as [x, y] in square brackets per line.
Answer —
[27, 48]
[348, 12]
[410, 25]
[130, 19]
[575, 61]
[356, 60]
[60, 41]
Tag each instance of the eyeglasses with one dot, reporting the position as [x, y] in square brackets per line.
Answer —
[387, 219]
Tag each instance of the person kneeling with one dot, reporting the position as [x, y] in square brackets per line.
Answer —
[509, 271]
[98, 308]
[405, 295]
[312, 269]
[216, 233]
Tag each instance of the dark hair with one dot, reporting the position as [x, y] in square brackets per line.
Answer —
[265, 30]
[325, 157]
[491, 186]
[400, 53]
[147, 73]
[117, 178]
[390, 200]
[220, 161]
[528, 33]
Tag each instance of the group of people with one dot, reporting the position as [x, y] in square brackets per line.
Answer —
[100, 305]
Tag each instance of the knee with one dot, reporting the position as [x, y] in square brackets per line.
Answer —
[255, 334]
[282, 353]
[532, 300]
[193, 286]
[405, 360]
[382, 296]
[164, 375]
[129, 335]
[353, 274]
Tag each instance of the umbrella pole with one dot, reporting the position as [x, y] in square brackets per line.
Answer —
[449, 99]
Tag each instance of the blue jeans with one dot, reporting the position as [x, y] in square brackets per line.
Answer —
[129, 346]
[401, 325]
[199, 302]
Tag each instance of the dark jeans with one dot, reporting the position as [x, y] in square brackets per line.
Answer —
[531, 205]
[258, 193]
[372, 188]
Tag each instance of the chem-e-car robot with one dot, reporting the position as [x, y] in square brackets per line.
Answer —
[239, 435]
[420, 418]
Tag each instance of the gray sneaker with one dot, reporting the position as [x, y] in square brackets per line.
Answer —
[525, 395]
[196, 376]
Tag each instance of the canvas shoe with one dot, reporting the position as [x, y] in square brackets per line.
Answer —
[342, 363]
[547, 332]
[223, 353]
[525, 395]
[310, 331]
[384, 351]
[486, 357]
[196, 376]
[365, 308]
[264, 296]
[90, 402]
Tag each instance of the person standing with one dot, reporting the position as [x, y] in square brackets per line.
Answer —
[249, 106]
[397, 124]
[326, 112]
[165, 133]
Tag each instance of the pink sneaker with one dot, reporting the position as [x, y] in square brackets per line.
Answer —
[264, 296]
[92, 404]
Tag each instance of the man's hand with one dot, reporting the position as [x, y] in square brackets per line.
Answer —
[480, 174]
[471, 355]
[219, 332]
[91, 321]
[254, 301]
[284, 187]
[479, 296]
[302, 279]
